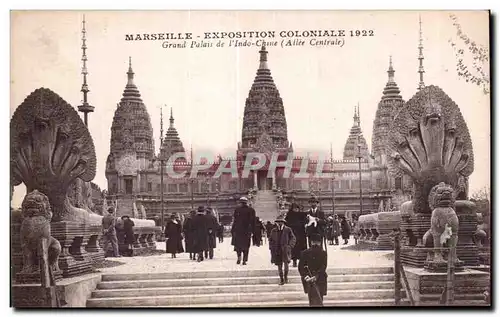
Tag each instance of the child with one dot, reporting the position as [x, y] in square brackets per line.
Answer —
[312, 269]
[281, 242]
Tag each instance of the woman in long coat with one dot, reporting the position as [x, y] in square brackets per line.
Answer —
[297, 220]
[345, 227]
[188, 234]
[173, 233]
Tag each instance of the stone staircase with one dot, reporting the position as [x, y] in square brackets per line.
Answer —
[266, 207]
[372, 286]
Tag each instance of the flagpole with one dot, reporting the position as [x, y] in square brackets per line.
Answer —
[333, 179]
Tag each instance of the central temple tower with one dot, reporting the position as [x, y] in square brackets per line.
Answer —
[264, 124]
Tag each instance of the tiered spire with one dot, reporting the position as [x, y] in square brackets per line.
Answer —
[421, 70]
[355, 138]
[85, 107]
[391, 90]
[131, 93]
[131, 130]
[264, 122]
[172, 143]
[389, 104]
[263, 78]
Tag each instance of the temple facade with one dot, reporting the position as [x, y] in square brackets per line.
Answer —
[134, 177]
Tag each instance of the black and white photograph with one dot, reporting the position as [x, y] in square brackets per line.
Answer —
[250, 159]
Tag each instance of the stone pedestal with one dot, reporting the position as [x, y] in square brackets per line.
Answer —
[414, 226]
[78, 248]
[93, 248]
[72, 292]
[73, 237]
[385, 224]
[16, 251]
[34, 278]
[427, 287]
[467, 250]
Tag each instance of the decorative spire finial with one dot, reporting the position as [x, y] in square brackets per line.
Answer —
[85, 107]
[263, 57]
[421, 70]
[356, 115]
[390, 71]
[171, 118]
[130, 73]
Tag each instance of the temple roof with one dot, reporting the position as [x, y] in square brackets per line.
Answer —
[264, 123]
[355, 138]
[131, 130]
[388, 106]
[171, 143]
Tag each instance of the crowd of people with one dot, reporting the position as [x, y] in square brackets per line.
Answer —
[200, 232]
[297, 237]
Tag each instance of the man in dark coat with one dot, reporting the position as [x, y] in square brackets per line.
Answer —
[242, 229]
[336, 229]
[281, 242]
[212, 226]
[269, 227]
[319, 217]
[129, 239]
[312, 269]
[220, 233]
[345, 228]
[257, 233]
[297, 220]
[188, 230]
[200, 233]
[173, 233]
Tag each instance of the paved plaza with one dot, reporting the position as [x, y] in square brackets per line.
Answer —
[225, 259]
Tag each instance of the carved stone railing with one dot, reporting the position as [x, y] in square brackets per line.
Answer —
[145, 233]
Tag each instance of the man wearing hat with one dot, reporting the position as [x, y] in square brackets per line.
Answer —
[281, 242]
[212, 225]
[109, 232]
[312, 269]
[319, 216]
[200, 233]
[242, 228]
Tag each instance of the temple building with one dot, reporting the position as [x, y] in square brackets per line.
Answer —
[133, 169]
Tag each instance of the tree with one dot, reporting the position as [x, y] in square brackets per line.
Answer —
[481, 194]
[465, 48]
[481, 198]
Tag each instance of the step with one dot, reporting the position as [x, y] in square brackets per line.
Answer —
[251, 280]
[260, 297]
[241, 273]
[219, 289]
[298, 303]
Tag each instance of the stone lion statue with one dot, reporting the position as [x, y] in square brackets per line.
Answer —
[36, 240]
[444, 220]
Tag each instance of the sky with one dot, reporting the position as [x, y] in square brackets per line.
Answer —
[207, 87]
